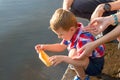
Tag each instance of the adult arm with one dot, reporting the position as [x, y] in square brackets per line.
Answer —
[67, 4]
[98, 12]
[89, 47]
[99, 24]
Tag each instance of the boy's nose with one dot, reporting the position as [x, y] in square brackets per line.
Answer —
[59, 37]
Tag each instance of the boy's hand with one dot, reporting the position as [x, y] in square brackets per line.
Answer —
[55, 60]
[39, 47]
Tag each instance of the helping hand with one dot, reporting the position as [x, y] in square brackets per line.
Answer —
[97, 25]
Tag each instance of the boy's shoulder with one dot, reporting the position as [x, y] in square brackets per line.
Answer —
[87, 35]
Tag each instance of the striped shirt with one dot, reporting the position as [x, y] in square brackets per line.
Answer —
[79, 39]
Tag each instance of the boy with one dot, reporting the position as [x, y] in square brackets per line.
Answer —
[64, 24]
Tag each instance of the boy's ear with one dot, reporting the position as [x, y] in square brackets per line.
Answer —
[72, 28]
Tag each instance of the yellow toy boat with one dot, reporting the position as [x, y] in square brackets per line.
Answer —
[44, 58]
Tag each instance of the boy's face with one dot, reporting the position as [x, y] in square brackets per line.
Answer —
[67, 35]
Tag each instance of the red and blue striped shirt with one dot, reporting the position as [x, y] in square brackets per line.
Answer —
[80, 38]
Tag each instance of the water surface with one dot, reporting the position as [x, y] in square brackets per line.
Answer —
[23, 24]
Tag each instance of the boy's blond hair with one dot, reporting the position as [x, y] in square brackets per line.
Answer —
[63, 19]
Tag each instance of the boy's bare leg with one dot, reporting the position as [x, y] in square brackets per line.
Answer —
[80, 70]
[118, 38]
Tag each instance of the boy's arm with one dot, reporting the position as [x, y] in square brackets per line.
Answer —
[87, 37]
[56, 59]
[54, 47]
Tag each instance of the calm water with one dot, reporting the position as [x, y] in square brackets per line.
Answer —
[23, 24]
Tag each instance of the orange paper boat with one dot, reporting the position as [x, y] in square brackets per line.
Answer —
[44, 58]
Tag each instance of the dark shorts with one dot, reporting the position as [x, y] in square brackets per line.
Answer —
[85, 8]
[95, 66]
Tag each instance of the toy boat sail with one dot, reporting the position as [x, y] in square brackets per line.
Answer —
[44, 58]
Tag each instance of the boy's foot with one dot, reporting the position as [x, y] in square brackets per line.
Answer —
[78, 78]
[87, 78]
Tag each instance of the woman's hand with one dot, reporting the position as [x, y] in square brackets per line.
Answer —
[86, 50]
[97, 25]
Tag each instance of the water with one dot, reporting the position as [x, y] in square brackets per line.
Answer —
[23, 24]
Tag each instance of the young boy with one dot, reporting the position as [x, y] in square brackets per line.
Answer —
[64, 24]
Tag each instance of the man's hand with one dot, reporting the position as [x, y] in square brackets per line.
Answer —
[98, 12]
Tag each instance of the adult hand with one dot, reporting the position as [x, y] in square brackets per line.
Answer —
[86, 50]
[97, 25]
